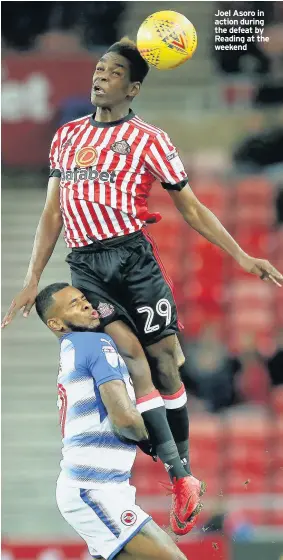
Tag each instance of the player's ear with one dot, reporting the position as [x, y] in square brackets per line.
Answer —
[134, 89]
[55, 324]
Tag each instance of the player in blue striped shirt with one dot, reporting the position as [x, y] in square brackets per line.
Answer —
[100, 425]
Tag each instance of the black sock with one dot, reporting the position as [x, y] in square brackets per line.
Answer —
[156, 422]
[178, 420]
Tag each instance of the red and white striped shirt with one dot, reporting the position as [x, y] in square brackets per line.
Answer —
[107, 171]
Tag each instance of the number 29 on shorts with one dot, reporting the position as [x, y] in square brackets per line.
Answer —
[163, 309]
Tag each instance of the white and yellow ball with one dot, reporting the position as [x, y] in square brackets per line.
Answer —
[166, 39]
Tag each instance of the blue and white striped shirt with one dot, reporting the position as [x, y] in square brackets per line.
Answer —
[92, 454]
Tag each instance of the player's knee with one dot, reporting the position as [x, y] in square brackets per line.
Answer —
[138, 368]
[166, 362]
[180, 358]
[132, 353]
[164, 359]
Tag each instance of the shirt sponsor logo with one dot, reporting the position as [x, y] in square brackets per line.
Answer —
[88, 174]
[128, 518]
[85, 157]
[121, 147]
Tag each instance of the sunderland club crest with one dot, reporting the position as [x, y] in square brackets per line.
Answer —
[121, 147]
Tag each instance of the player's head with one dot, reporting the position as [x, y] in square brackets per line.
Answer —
[64, 308]
[118, 75]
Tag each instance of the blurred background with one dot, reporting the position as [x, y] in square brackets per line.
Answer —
[224, 111]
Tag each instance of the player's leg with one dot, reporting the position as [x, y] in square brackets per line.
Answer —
[152, 543]
[88, 270]
[111, 523]
[153, 309]
[149, 402]
[132, 352]
[163, 360]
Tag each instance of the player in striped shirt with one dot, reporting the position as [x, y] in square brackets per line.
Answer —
[102, 169]
[100, 425]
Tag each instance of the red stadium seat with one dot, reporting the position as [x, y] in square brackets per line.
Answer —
[279, 314]
[277, 400]
[263, 338]
[253, 215]
[250, 291]
[244, 483]
[256, 241]
[214, 195]
[278, 249]
[256, 516]
[245, 318]
[249, 426]
[250, 430]
[214, 484]
[208, 427]
[277, 482]
[149, 485]
[196, 316]
[247, 458]
[275, 517]
[149, 468]
[161, 517]
[254, 190]
[201, 292]
[277, 447]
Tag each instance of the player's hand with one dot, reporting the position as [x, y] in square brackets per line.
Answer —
[24, 299]
[147, 448]
[261, 268]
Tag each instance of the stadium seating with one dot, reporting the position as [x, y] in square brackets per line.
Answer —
[277, 402]
[210, 286]
[238, 456]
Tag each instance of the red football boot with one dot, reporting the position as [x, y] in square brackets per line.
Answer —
[186, 503]
[183, 528]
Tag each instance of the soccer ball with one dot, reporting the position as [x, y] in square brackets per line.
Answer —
[166, 39]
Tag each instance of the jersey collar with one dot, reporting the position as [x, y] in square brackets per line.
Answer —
[99, 124]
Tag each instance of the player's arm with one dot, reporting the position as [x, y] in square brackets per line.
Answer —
[163, 161]
[200, 218]
[47, 233]
[103, 363]
[121, 411]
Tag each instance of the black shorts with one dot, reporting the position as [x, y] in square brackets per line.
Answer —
[123, 279]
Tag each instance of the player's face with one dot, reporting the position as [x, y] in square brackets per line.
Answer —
[111, 83]
[72, 311]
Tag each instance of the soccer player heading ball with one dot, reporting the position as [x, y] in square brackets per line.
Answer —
[102, 169]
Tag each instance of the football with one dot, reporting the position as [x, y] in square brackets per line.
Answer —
[166, 39]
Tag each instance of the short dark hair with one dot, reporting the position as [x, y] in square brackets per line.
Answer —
[45, 298]
[138, 66]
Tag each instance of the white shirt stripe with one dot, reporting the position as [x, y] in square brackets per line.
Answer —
[146, 158]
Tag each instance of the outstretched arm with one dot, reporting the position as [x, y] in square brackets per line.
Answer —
[205, 222]
[47, 233]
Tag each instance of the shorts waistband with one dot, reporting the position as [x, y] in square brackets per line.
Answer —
[104, 244]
